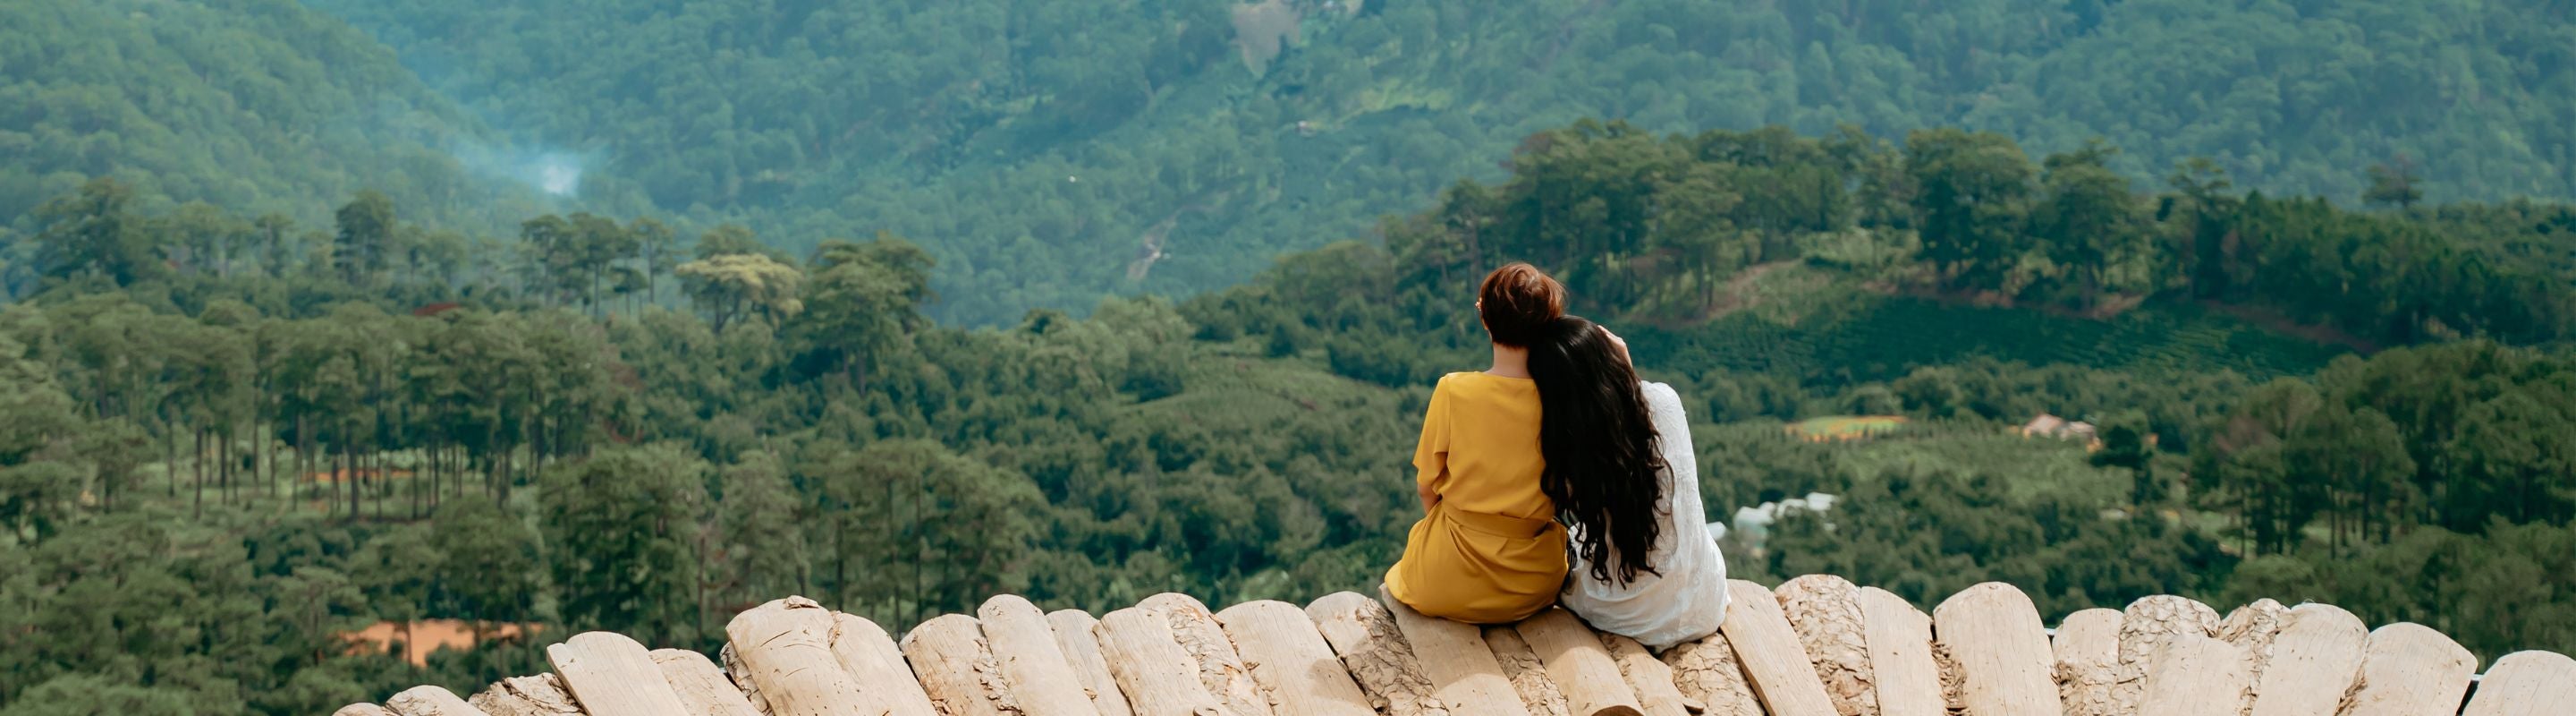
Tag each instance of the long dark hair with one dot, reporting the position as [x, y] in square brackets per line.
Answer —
[1603, 457]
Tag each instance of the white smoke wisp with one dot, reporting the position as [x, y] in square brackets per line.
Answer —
[553, 171]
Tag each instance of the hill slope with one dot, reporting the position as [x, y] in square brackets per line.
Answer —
[253, 105]
[1049, 152]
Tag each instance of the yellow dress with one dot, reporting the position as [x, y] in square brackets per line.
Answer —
[1490, 551]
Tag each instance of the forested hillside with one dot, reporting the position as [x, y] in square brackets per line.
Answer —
[1051, 152]
[214, 464]
[257, 106]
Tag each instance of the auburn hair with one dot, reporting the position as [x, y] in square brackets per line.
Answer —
[1518, 300]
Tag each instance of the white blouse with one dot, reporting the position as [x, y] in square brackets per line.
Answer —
[1687, 600]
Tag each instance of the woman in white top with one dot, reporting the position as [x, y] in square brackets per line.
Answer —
[1621, 471]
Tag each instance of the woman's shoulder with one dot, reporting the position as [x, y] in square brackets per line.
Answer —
[1659, 392]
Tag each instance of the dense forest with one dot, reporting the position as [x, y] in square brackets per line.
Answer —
[1049, 154]
[227, 439]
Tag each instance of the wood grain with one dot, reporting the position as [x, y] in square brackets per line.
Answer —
[1073, 635]
[1775, 663]
[1291, 662]
[1992, 633]
[1159, 678]
[1039, 679]
[1579, 664]
[1363, 633]
[2315, 658]
[2526, 683]
[1462, 669]
[2194, 675]
[2408, 669]
[611, 675]
[702, 687]
[1900, 655]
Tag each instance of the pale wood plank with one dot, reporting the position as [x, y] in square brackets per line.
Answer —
[1529, 676]
[1706, 671]
[1158, 676]
[2408, 669]
[870, 657]
[1579, 664]
[1220, 667]
[1652, 680]
[740, 674]
[2526, 683]
[2144, 627]
[1363, 633]
[702, 688]
[1082, 650]
[539, 695]
[1992, 633]
[1464, 674]
[1037, 675]
[2088, 661]
[1291, 661]
[430, 701]
[1900, 655]
[611, 675]
[1825, 612]
[2195, 675]
[1775, 663]
[948, 655]
[785, 649]
[2314, 661]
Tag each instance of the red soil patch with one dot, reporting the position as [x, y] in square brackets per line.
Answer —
[429, 635]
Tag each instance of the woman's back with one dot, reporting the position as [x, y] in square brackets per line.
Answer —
[1489, 550]
[1685, 599]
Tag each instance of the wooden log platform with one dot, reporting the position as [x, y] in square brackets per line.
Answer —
[1817, 646]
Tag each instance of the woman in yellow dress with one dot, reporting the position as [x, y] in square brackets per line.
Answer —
[1488, 549]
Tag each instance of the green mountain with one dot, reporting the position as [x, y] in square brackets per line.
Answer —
[1050, 152]
[252, 105]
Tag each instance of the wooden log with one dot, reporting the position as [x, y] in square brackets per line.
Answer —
[1291, 662]
[429, 701]
[1464, 675]
[1651, 679]
[611, 675]
[1707, 671]
[1081, 649]
[785, 649]
[2315, 659]
[540, 695]
[2144, 627]
[1034, 670]
[2087, 647]
[1900, 655]
[1158, 676]
[1775, 663]
[1825, 612]
[702, 688]
[1992, 633]
[2252, 629]
[1363, 633]
[1579, 664]
[2195, 675]
[1529, 676]
[2408, 669]
[2526, 683]
[362, 710]
[739, 674]
[948, 655]
[872, 660]
[1220, 667]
